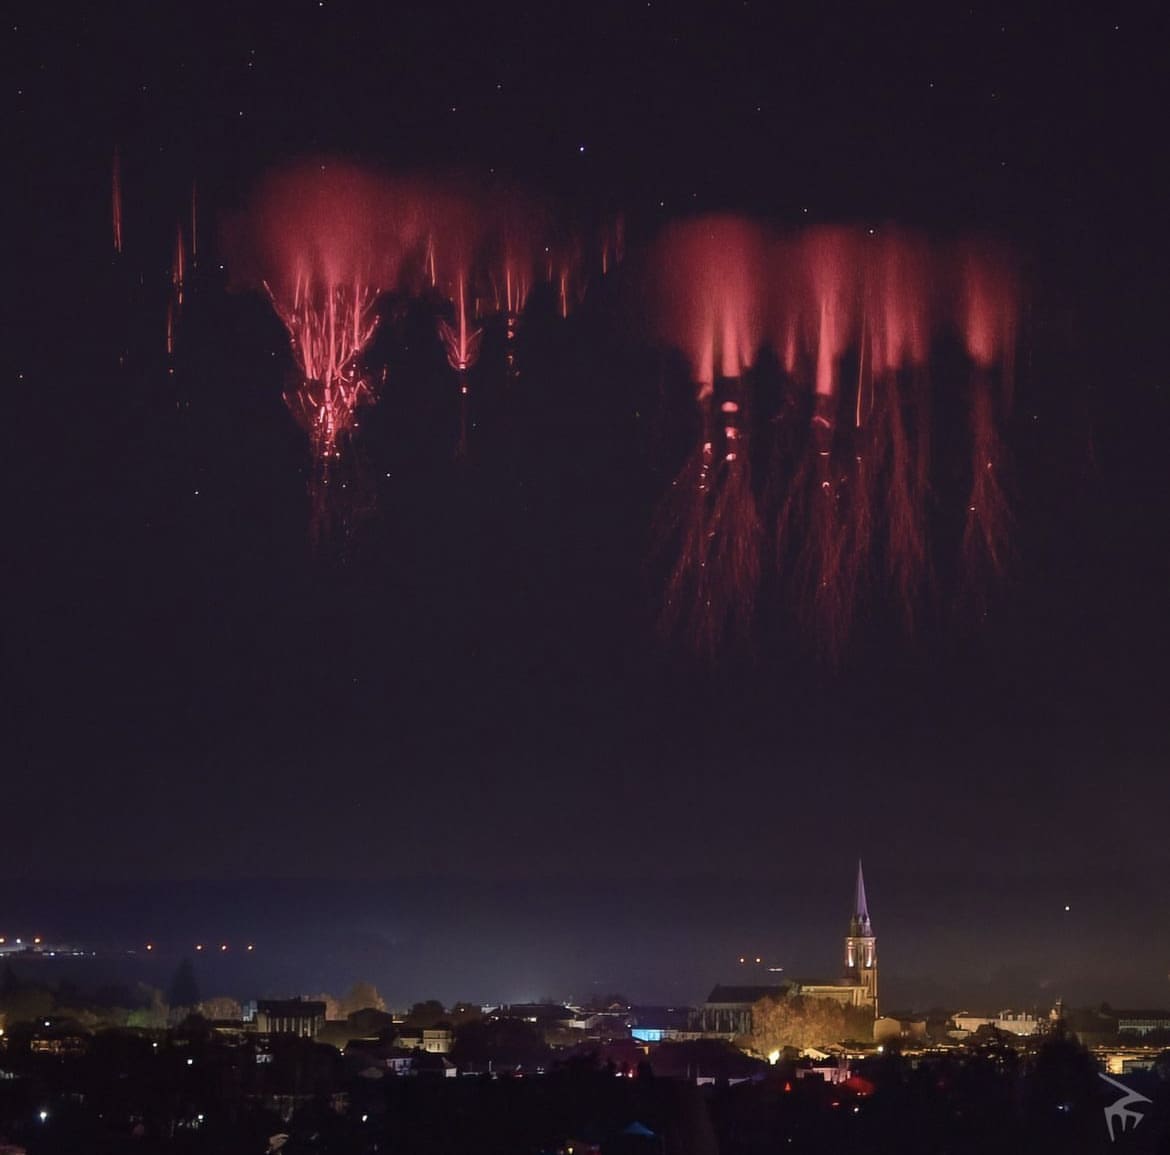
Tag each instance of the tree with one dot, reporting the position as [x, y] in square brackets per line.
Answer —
[1063, 1074]
[184, 989]
[500, 1042]
[426, 1014]
[152, 1017]
[221, 1007]
[800, 1021]
[463, 1012]
[332, 1005]
[26, 1004]
[361, 997]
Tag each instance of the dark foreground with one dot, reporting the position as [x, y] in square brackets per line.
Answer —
[189, 1091]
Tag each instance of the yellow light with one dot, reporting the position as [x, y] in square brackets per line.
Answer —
[773, 1057]
[150, 946]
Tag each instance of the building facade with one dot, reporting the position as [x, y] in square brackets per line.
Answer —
[858, 987]
[727, 1012]
[290, 1017]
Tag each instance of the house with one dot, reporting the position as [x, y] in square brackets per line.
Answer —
[436, 1040]
[299, 1017]
[1012, 1022]
[1142, 1022]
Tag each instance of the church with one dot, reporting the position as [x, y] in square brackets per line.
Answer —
[728, 1009]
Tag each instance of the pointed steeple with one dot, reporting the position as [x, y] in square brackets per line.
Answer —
[859, 924]
[861, 950]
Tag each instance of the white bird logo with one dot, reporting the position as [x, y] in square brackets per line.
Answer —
[1120, 1111]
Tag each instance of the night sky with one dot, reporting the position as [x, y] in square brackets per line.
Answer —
[470, 709]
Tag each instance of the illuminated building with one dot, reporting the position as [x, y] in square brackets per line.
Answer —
[728, 1009]
[858, 987]
[1143, 1022]
[289, 1017]
[436, 1040]
[1012, 1022]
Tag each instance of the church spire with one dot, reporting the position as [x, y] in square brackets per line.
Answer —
[860, 920]
[862, 909]
[861, 949]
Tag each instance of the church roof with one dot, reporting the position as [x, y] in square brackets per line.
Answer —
[745, 995]
[859, 924]
[862, 908]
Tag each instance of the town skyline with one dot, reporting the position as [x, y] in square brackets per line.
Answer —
[515, 503]
[512, 942]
